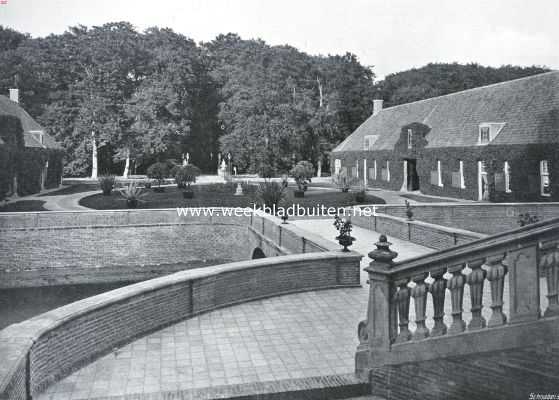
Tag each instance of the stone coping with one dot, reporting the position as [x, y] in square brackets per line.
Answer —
[17, 340]
[319, 387]
[460, 204]
[435, 227]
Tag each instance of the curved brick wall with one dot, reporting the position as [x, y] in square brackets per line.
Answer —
[39, 351]
[86, 247]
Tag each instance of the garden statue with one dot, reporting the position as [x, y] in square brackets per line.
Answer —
[239, 190]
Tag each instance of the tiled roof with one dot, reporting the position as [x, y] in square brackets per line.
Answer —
[529, 107]
[29, 125]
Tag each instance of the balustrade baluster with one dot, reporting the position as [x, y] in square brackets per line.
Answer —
[475, 280]
[456, 287]
[438, 291]
[402, 299]
[419, 294]
[549, 263]
[496, 277]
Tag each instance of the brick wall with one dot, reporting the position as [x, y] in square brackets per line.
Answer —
[477, 217]
[484, 376]
[419, 232]
[133, 245]
[66, 338]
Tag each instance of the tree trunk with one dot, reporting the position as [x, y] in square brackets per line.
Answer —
[93, 156]
[126, 164]
[319, 169]
[321, 103]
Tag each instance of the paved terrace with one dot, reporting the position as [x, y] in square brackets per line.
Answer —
[287, 337]
[293, 336]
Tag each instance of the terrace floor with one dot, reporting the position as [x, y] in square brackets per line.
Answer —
[294, 336]
[287, 337]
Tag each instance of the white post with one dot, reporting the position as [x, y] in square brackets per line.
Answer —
[365, 172]
[319, 169]
[126, 164]
[93, 156]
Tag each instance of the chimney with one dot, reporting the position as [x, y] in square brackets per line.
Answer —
[377, 106]
[14, 95]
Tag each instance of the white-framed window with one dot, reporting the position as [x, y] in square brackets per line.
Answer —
[439, 173]
[337, 166]
[489, 131]
[484, 134]
[545, 186]
[461, 170]
[410, 139]
[369, 142]
[39, 136]
[373, 171]
[506, 172]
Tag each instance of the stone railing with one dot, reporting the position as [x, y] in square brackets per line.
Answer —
[449, 286]
[48, 347]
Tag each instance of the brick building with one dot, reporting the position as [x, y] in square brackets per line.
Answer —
[30, 159]
[495, 143]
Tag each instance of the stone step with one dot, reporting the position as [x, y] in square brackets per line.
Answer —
[314, 388]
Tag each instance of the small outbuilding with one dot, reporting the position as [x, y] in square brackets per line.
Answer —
[30, 159]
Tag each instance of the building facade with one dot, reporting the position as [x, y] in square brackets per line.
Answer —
[30, 159]
[493, 143]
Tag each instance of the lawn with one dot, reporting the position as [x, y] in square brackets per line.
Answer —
[24, 206]
[222, 195]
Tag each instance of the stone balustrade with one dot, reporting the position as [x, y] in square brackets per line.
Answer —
[507, 268]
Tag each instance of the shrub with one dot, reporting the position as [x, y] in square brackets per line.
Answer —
[186, 175]
[266, 171]
[158, 171]
[132, 193]
[527, 219]
[107, 184]
[302, 173]
[270, 194]
[342, 181]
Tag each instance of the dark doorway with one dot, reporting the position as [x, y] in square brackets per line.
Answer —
[258, 253]
[412, 178]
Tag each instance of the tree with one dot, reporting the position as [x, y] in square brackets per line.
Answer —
[437, 79]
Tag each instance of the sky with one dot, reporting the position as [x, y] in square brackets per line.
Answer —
[389, 35]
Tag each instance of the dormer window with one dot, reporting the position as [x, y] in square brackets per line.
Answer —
[484, 135]
[410, 139]
[369, 141]
[38, 136]
[489, 131]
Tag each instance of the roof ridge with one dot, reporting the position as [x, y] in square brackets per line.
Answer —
[474, 89]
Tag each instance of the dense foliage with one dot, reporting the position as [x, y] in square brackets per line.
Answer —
[157, 95]
[437, 79]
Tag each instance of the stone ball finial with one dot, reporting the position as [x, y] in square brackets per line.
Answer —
[382, 254]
